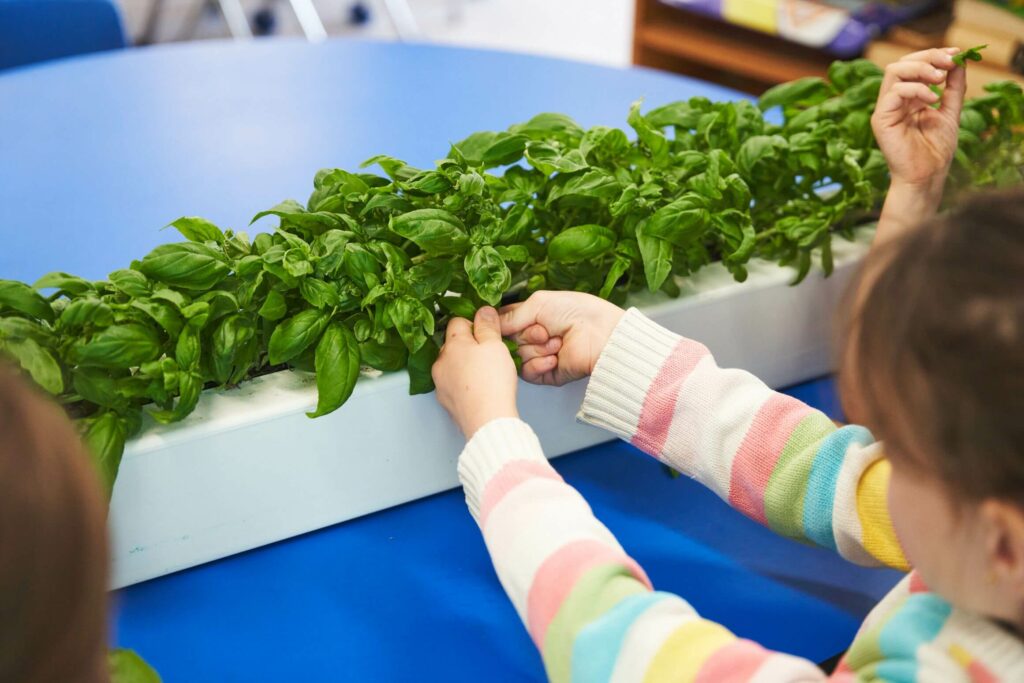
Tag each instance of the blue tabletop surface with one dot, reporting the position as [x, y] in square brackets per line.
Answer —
[97, 153]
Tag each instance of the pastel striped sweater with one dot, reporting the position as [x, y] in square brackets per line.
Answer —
[590, 608]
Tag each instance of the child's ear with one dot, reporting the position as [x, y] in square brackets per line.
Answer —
[1004, 540]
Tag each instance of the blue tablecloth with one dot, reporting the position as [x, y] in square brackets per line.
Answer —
[97, 153]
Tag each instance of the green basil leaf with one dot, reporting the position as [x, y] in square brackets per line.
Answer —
[412, 320]
[86, 311]
[580, 243]
[431, 277]
[63, 282]
[37, 361]
[197, 314]
[489, 149]
[274, 306]
[427, 183]
[295, 335]
[681, 222]
[104, 438]
[99, 386]
[126, 666]
[329, 251]
[488, 273]
[196, 229]
[188, 265]
[803, 91]
[435, 231]
[190, 387]
[163, 314]
[657, 257]
[971, 55]
[187, 350]
[458, 306]
[337, 368]
[420, 364]
[318, 293]
[22, 298]
[130, 282]
[15, 328]
[229, 338]
[172, 297]
[549, 126]
[548, 158]
[593, 184]
[650, 137]
[221, 303]
[387, 356]
[619, 267]
[119, 346]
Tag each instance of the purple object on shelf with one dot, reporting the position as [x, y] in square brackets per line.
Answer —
[839, 27]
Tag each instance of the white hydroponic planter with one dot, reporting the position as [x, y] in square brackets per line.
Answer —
[249, 468]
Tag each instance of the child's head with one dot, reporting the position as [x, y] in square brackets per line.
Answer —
[53, 552]
[934, 364]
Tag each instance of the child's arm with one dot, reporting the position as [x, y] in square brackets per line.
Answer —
[770, 456]
[918, 141]
[588, 606]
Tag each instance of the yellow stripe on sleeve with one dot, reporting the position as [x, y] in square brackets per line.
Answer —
[873, 511]
[685, 651]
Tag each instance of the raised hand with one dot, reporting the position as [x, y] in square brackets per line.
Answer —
[919, 140]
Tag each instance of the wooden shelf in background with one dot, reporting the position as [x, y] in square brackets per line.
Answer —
[677, 40]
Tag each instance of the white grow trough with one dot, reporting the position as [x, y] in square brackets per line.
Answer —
[249, 468]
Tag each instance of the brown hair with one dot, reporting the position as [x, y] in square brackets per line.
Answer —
[53, 567]
[933, 351]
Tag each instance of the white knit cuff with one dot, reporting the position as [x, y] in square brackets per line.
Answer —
[624, 372]
[494, 445]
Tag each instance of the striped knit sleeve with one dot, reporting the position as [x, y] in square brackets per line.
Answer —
[772, 457]
[588, 606]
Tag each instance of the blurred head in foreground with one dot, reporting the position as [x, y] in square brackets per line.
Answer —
[933, 363]
[53, 545]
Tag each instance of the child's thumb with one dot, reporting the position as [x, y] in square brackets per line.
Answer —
[487, 325]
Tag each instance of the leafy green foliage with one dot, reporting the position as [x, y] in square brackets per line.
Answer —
[971, 55]
[128, 667]
[369, 270]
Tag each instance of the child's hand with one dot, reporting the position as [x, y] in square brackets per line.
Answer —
[475, 375]
[919, 141]
[560, 334]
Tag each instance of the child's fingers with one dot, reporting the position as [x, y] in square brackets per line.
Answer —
[540, 370]
[458, 328]
[517, 317]
[956, 89]
[902, 94]
[486, 325]
[548, 348]
[534, 334]
[912, 71]
[941, 58]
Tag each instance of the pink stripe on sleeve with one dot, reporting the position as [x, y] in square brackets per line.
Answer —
[660, 402]
[510, 476]
[759, 452]
[560, 572]
[737, 661]
[979, 673]
[917, 584]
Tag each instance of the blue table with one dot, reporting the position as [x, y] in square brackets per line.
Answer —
[96, 154]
